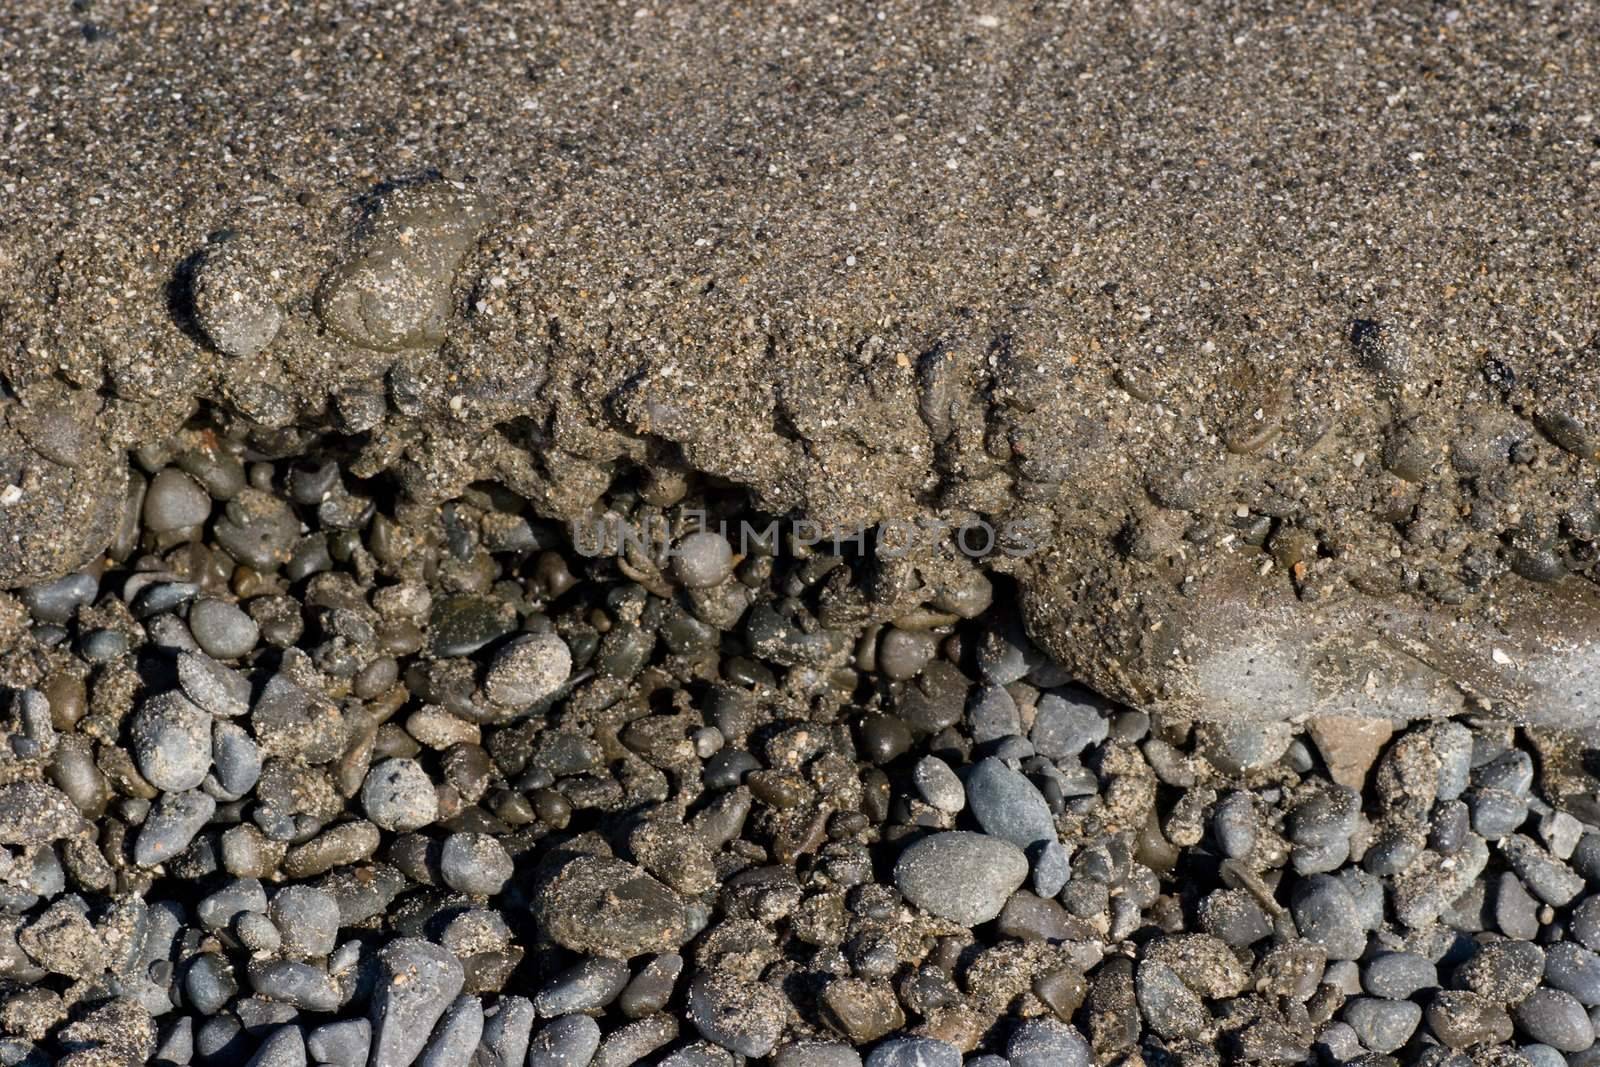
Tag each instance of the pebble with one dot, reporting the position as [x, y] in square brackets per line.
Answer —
[1349, 745]
[1399, 975]
[457, 1036]
[171, 825]
[1007, 805]
[1051, 869]
[743, 1017]
[939, 785]
[1382, 1025]
[817, 1054]
[1067, 721]
[416, 983]
[1239, 748]
[1462, 1019]
[1548, 878]
[1575, 970]
[1047, 1043]
[585, 987]
[960, 876]
[475, 864]
[914, 1052]
[171, 741]
[175, 501]
[1325, 913]
[903, 654]
[570, 1041]
[284, 1047]
[1584, 922]
[610, 908]
[397, 794]
[702, 560]
[221, 629]
[220, 690]
[307, 917]
[528, 670]
[1555, 1018]
[993, 715]
[1503, 971]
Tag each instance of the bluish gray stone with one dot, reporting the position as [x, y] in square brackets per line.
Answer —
[1007, 805]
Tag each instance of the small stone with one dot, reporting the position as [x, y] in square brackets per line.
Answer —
[1349, 745]
[1047, 1043]
[939, 785]
[993, 715]
[1239, 748]
[1462, 1019]
[1515, 912]
[914, 1052]
[1399, 975]
[1382, 1025]
[1051, 869]
[461, 625]
[570, 1041]
[1007, 805]
[1169, 1007]
[702, 560]
[221, 629]
[345, 1043]
[903, 653]
[171, 741]
[398, 795]
[474, 864]
[528, 670]
[1325, 913]
[416, 983]
[218, 689]
[175, 501]
[1549, 879]
[1555, 1018]
[284, 1047]
[456, 1039]
[610, 908]
[291, 720]
[960, 876]
[585, 987]
[1503, 971]
[1574, 970]
[171, 825]
[231, 299]
[1069, 720]
[740, 1016]
[817, 1054]
[308, 920]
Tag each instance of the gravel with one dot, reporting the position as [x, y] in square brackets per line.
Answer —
[960, 876]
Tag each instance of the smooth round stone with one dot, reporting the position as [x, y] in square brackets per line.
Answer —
[585, 987]
[1326, 913]
[569, 1041]
[1584, 922]
[236, 757]
[175, 501]
[171, 741]
[1399, 975]
[1382, 1025]
[1238, 748]
[222, 630]
[1007, 805]
[415, 985]
[817, 1054]
[460, 625]
[1555, 1018]
[1503, 971]
[961, 876]
[702, 560]
[398, 795]
[1546, 877]
[1069, 720]
[171, 825]
[1234, 824]
[993, 715]
[1543, 1056]
[1047, 1043]
[307, 919]
[741, 1016]
[344, 1043]
[528, 670]
[914, 1052]
[57, 601]
[209, 983]
[1460, 1018]
[903, 653]
[1051, 869]
[939, 785]
[475, 864]
[1573, 969]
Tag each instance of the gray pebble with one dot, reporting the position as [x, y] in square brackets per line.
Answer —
[345, 1043]
[1399, 975]
[175, 501]
[1452, 744]
[171, 825]
[570, 1041]
[652, 987]
[1496, 812]
[221, 629]
[1170, 1008]
[702, 560]
[171, 741]
[1234, 824]
[1069, 720]
[1515, 912]
[506, 1032]
[284, 1047]
[1051, 869]
[914, 1052]
[1546, 877]
[292, 982]
[1007, 805]
[1382, 1025]
[457, 1037]
[1238, 748]
[220, 690]
[236, 758]
[1047, 1043]
[903, 653]
[527, 670]
[1555, 1018]
[585, 987]
[1005, 654]
[960, 876]
[1584, 922]
[1543, 1056]
[475, 864]
[1573, 969]
[1325, 913]
[58, 601]
[738, 1015]
[817, 1054]
[308, 920]
[416, 983]
[209, 983]
[1503, 971]
[398, 795]
[939, 785]
[993, 715]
